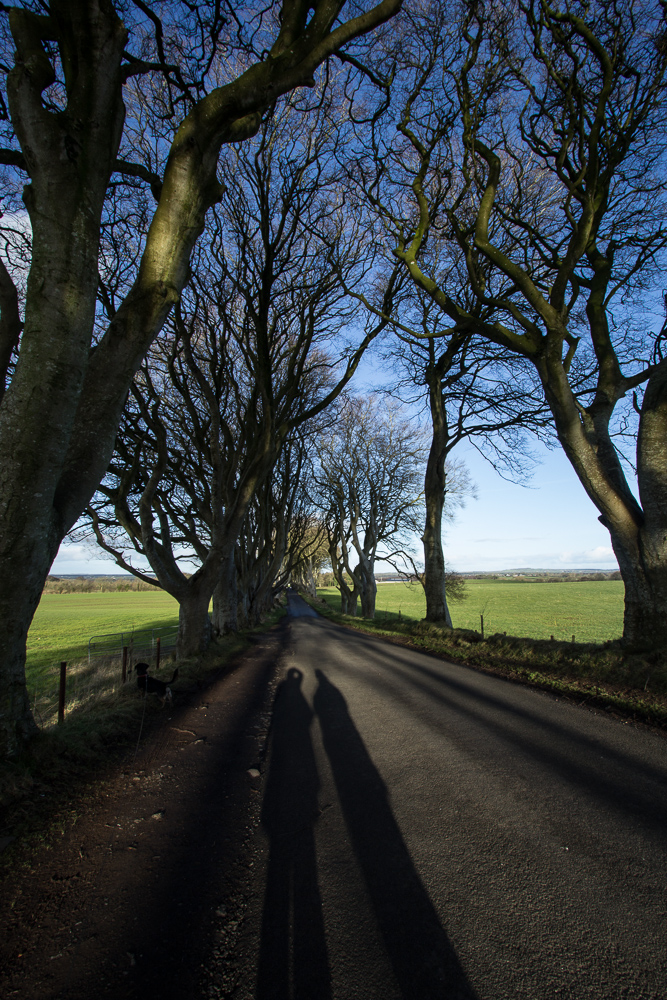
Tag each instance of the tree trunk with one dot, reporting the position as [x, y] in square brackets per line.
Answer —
[638, 533]
[645, 580]
[434, 565]
[194, 624]
[226, 597]
[645, 572]
[434, 498]
[69, 157]
[368, 596]
[242, 609]
[348, 599]
[261, 604]
[368, 588]
[18, 603]
[231, 596]
[309, 578]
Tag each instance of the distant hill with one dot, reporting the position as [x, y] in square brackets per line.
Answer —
[90, 576]
[532, 571]
[519, 571]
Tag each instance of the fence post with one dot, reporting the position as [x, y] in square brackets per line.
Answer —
[481, 618]
[124, 674]
[61, 692]
[157, 653]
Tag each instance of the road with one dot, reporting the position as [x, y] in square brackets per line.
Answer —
[394, 828]
[429, 831]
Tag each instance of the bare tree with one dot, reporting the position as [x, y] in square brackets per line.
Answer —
[367, 485]
[488, 400]
[221, 67]
[238, 368]
[468, 392]
[543, 171]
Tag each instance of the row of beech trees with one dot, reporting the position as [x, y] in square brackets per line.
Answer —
[212, 449]
[231, 450]
[94, 109]
[236, 449]
[229, 203]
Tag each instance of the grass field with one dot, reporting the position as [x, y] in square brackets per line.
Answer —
[591, 611]
[64, 623]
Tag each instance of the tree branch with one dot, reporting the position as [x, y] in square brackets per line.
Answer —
[10, 324]
[143, 173]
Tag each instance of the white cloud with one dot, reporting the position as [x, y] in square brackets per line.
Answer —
[602, 556]
[602, 552]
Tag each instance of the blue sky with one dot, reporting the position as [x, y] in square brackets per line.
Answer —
[549, 524]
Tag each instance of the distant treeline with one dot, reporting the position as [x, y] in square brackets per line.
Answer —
[544, 577]
[93, 585]
[327, 579]
[105, 584]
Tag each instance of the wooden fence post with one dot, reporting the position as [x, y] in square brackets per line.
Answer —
[481, 619]
[157, 653]
[61, 692]
[124, 674]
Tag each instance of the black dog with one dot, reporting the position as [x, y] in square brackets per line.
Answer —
[151, 685]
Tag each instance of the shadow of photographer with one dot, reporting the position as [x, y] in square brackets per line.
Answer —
[293, 959]
[425, 964]
[293, 944]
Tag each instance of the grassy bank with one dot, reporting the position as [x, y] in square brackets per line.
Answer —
[40, 788]
[594, 673]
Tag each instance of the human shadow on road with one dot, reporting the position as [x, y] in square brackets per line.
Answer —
[292, 933]
[424, 962]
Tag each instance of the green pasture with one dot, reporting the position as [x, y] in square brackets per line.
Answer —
[64, 623]
[592, 611]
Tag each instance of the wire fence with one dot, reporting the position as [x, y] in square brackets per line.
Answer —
[60, 688]
[142, 644]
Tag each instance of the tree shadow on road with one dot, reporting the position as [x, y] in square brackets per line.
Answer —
[425, 964]
[293, 944]
[596, 766]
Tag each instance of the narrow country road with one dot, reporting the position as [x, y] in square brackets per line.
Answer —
[394, 828]
[429, 831]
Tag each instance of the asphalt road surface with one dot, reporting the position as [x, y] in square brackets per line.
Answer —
[339, 818]
[428, 831]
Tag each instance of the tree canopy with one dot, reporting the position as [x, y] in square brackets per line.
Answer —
[212, 210]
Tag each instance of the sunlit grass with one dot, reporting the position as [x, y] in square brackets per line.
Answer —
[592, 611]
[61, 631]
[64, 623]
